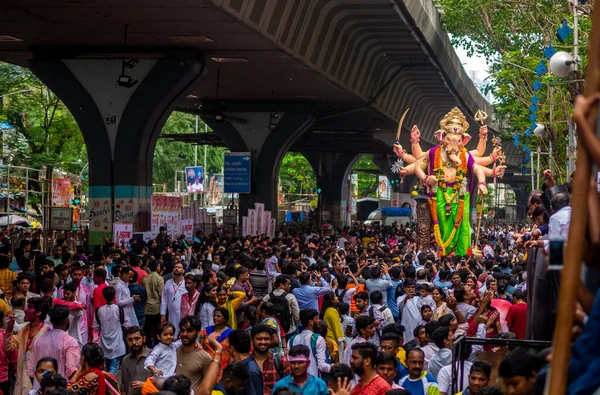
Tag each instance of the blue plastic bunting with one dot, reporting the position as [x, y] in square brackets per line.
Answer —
[527, 132]
[564, 31]
[525, 148]
[537, 85]
[549, 51]
[533, 108]
[533, 117]
[541, 68]
[535, 99]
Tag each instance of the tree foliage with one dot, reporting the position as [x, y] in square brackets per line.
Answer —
[174, 156]
[511, 35]
[44, 133]
[297, 178]
[368, 180]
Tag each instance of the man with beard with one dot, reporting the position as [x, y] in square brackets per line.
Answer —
[273, 367]
[171, 296]
[133, 374]
[192, 360]
[418, 381]
[189, 299]
[300, 381]
[363, 363]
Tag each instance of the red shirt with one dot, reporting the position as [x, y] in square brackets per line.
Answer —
[97, 297]
[517, 319]
[377, 386]
[140, 272]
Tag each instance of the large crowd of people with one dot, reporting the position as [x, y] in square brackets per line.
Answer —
[363, 310]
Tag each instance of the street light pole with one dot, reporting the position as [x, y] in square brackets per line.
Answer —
[572, 147]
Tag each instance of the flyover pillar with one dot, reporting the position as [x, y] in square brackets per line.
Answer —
[267, 139]
[120, 126]
[333, 172]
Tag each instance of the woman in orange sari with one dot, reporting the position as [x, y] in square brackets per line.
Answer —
[220, 318]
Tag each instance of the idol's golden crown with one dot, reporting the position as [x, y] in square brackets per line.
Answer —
[454, 122]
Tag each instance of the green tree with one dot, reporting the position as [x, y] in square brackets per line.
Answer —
[368, 176]
[175, 156]
[512, 35]
[44, 134]
[297, 178]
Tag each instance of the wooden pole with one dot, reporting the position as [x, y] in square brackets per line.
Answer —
[577, 230]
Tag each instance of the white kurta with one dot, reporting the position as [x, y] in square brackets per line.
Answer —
[411, 315]
[124, 299]
[111, 333]
[171, 302]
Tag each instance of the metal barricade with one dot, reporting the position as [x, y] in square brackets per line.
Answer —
[461, 341]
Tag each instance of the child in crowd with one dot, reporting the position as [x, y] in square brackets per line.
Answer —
[425, 297]
[162, 361]
[426, 313]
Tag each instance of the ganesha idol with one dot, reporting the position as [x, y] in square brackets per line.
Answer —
[452, 174]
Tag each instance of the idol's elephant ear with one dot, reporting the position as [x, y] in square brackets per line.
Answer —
[439, 135]
[466, 138]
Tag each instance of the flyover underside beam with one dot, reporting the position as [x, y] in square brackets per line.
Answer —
[120, 125]
[267, 146]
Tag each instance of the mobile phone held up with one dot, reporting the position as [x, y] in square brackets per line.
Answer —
[557, 253]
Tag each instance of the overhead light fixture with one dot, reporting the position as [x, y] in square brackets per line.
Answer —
[230, 60]
[192, 96]
[126, 81]
[190, 39]
[9, 38]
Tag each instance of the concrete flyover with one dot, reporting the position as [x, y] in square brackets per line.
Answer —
[327, 76]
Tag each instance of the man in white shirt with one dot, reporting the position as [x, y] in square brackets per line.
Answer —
[410, 309]
[123, 296]
[558, 227]
[315, 342]
[171, 297]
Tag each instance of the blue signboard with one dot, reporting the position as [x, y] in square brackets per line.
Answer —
[236, 178]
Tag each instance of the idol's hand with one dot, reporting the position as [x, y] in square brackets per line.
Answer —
[398, 150]
[403, 172]
[483, 131]
[496, 152]
[415, 134]
[482, 189]
[431, 180]
[500, 170]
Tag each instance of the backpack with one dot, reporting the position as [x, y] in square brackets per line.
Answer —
[313, 346]
[372, 314]
[121, 319]
[279, 365]
[121, 315]
[341, 296]
[281, 310]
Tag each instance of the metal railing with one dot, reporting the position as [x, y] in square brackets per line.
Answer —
[463, 341]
